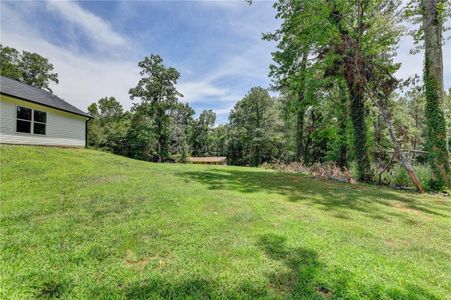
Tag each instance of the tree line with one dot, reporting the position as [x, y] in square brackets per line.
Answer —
[338, 99]
[347, 48]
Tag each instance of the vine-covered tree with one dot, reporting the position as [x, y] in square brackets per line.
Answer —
[346, 39]
[430, 15]
[433, 19]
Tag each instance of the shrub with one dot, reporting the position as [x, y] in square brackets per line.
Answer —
[327, 170]
[398, 176]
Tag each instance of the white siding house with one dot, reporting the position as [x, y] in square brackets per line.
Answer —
[29, 115]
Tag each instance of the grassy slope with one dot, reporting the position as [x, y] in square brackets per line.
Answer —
[82, 223]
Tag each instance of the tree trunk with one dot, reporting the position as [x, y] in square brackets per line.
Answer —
[259, 133]
[300, 108]
[356, 94]
[433, 80]
[402, 156]
[299, 133]
[343, 159]
[353, 71]
[310, 129]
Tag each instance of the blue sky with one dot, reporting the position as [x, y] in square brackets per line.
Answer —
[216, 46]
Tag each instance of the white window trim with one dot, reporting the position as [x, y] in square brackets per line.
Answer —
[32, 121]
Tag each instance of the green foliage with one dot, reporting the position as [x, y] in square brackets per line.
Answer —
[398, 176]
[447, 112]
[29, 68]
[9, 62]
[254, 129]
[219, 140]
[360, 136]
[181, 130]
[109, 127]
[158, 95]
[437, 144]
[201, 139]
[85, 224]
[431, 17]
[354, 40]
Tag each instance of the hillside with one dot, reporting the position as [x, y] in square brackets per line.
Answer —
[87, 224]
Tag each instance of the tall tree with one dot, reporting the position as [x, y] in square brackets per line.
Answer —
[94, 128]
[343, 115]
[431, 16]
[181, 130]
[109, 126]
[433, 11]
[9, 63]
[219, 141]
[29, 68]
[158, 95]
[346, 36]
[201, 136]
[291, 62]
[255, 126]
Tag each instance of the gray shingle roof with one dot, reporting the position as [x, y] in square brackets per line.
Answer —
[27, 92]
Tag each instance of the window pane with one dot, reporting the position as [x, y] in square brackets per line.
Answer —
[40, 116]
[23, 113]
[39, 128]
[23, 126]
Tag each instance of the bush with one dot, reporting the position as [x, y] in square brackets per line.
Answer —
[327, 170]
[398, 176]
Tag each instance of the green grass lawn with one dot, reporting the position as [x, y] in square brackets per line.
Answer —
[87, 224]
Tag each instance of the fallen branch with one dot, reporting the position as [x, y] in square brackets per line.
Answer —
[402, 156]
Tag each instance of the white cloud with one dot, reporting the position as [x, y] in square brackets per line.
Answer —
[198, 91]
[243, 65]
[223, 111]
[83, 79]
[86, 77]
[95, 27]
[413, 64]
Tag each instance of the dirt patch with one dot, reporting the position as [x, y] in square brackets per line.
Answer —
[141, 263]
[396, 243]
[324, 292]
[404, 207]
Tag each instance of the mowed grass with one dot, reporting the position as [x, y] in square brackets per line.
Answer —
[87, 224]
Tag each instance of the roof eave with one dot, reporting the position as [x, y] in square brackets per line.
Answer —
[57, 108]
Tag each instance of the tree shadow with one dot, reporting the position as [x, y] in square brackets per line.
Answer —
[302, 275]
[192, 288]
[309, 278]
[328, 195]
[302, 265]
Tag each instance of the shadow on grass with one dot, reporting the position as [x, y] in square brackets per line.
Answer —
[194, 288]
[328, 195]
[302, 265]
[309, 278]
[303, 275]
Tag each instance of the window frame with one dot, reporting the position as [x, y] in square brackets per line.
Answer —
[24, 120]
[32, 121]
[42, 123]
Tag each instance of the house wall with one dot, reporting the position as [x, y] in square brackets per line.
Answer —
[62, 129]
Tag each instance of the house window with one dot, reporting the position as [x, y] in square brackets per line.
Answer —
[40, 119]
[29, 120]
[23, 119]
